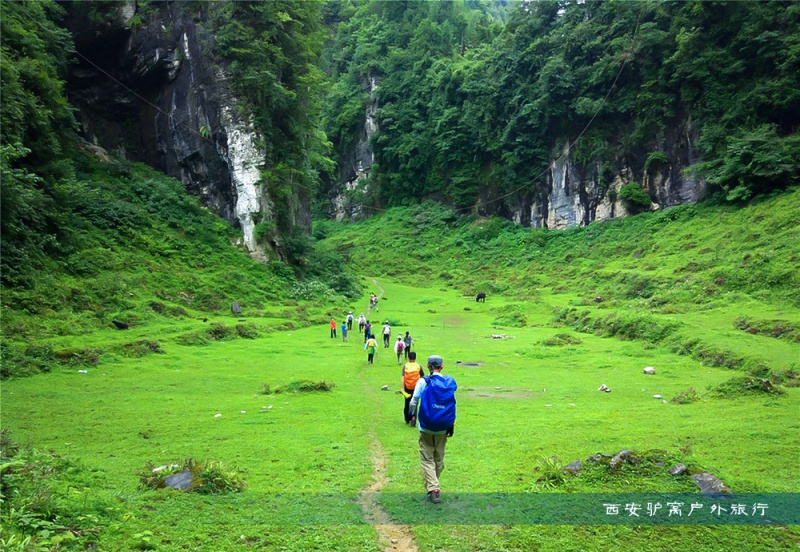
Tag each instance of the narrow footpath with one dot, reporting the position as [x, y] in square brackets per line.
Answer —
[393, 537]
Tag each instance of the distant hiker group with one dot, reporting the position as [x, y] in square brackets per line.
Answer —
[429, 400]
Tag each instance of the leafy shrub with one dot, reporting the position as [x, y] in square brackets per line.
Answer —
[141, 348]
[247, 331]
[562, 339]
[211, 477]
[746, 385]
[192, 339]
[656, 160]
[551, 473]
[509, 317]
[301, 386]
[752, 161]
[219, 331]
[39, 509]
[685, 397]
[634, 198]
[313, 290]
[77, 357]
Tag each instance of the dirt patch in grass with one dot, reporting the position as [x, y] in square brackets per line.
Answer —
[495, 393]
[453, 321]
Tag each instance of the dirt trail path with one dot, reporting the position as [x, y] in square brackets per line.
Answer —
[381, 291]
[393, 537]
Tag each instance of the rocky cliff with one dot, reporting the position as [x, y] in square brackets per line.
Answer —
[148, 87]
[568, 193]
[572, 194]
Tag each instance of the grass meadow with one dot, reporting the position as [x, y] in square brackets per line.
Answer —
[529, 407]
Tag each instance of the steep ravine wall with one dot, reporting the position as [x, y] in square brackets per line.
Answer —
[568, 194]
[572, 194]
[149, 89]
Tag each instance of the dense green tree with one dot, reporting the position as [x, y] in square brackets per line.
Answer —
[467, 109]
[37, 132]
[272, 50]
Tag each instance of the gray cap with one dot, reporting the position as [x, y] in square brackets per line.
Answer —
[435, 361]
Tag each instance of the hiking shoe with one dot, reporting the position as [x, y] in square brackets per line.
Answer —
[433, 496]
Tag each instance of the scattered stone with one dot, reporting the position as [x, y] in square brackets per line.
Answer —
[572, 404]
[235, 308]
[638, 253]
[548, 405]
[180, 481]
[622, 457]
[649, 370]
[499, 336]
[385, 388]
[394, 541]
[120, 325]
[83, 371]
[574, 467]
[659, 463]
[656, 396]
[602, 387]
[597, 457]
[709, 484]
[243, 412]
[599, 299]
[678, 469]
[218, 415]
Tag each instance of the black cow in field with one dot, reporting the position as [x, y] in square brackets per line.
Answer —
[481, 298]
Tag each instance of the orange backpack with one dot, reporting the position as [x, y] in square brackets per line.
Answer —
[411, 374]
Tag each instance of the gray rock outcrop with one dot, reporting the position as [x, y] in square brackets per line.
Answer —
[148, 88]
[710, 484]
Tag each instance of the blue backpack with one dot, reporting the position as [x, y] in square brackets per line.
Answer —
[437, 407]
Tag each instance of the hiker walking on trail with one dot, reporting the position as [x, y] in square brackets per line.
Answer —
[373, 302]
[367, 330]
[344, 331]
[436, 418]
[407, 341]
[398, 347]
[350, 320]
[412, 372]
[362, 321]
[387, 334]
[370, 347]
[333, 328]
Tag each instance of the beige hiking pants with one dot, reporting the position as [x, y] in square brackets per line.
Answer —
[431, 458]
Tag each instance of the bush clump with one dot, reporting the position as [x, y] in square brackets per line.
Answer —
[141, 348]
[211, 477]
[685, 397]
[561, 340]
[39, 506]
[301, 386]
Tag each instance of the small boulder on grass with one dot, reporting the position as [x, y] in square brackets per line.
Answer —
[649, 370]
[191, 476]
[574, 467]
[710, 484]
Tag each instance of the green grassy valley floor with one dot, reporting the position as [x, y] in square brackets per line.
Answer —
[529, 407]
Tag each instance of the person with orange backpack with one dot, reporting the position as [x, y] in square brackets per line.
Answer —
[412, 371]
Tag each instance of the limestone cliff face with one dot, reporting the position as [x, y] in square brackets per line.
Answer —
[573, 195]
[147, 87]
[568, 194]
[355, 164]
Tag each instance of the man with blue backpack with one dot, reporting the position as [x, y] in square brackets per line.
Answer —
[435, 420]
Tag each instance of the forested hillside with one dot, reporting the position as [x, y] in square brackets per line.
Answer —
[645, 93]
